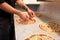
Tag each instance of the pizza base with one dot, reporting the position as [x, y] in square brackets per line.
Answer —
[39, 37]
[25, 22]
[51, 27]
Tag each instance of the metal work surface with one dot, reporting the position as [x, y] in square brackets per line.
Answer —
[23, 31]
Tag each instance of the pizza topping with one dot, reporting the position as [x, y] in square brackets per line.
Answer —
[52, 27]
[39, 37]
[25, 22]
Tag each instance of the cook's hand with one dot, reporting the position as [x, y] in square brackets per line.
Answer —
[23, 16]
[31, 13]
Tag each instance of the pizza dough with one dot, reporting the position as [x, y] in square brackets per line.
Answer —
[51, 27]
[39, 37]
[25, 22]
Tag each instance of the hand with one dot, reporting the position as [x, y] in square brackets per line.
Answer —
[24, 16]
[31, 13]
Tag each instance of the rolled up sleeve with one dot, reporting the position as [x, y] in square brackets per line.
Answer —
[1, 1]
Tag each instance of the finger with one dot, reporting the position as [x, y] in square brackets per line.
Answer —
[32, 15]
[27, 17]
[24, 19]
[30, 18]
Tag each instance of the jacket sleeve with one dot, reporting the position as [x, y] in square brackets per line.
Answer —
[1, 1]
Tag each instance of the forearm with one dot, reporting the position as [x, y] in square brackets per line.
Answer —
[21, 3]
[6, 7]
